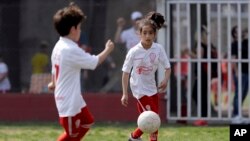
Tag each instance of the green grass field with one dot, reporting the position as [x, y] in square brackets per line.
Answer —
[111, 132]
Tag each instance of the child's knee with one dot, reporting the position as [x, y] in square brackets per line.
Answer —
[91, 121]
[88, 123]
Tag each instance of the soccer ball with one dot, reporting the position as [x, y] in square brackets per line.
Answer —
[149, 122]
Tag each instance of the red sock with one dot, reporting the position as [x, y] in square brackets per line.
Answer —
[63, 137]
[137, 133]
[82, 133]
[153, 136]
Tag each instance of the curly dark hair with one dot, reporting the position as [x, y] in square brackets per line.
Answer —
[156, 20]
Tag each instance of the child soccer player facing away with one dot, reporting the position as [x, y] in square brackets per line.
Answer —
[144, 59]
[67, 61]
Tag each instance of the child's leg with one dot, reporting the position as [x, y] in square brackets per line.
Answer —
[76, 127]
[149, 103]
[137, 132]
[70, 130]
[63, 137]
[154, 136]
[214, 89]
[87, 121]
[155, 108]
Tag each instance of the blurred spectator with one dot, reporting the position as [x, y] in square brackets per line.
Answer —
[225, 73]
[109, 65]
[40, 60]
[39, 83]
[184, 73]
[237, 118]
[129, 36]
[244, 34]
[224, 83]
[4, 80]
[204, 74]
[84, 44]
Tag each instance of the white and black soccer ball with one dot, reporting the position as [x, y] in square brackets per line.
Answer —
[148, 122]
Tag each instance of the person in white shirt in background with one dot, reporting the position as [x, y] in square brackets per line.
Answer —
[5, 85]
[67, 61]
[142, 61]
[128, 36]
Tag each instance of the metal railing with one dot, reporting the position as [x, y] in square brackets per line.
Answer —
[185, 20]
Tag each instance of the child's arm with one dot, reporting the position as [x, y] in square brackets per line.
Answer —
[164, 82]
[108, 49]
[51, 85]
[124, 99]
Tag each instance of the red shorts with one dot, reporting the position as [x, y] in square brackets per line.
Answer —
[149, 103]
[73, 125]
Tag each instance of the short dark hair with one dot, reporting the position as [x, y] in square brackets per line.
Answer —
[67, 17]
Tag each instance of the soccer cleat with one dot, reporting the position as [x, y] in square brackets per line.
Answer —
[132, 139]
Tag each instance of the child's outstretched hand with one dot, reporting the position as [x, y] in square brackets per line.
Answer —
[109, 45]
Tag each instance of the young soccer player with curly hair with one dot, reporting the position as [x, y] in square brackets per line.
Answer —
[142, 61]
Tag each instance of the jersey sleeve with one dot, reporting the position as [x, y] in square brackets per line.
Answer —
[164, 59]
[53, 71]
[128, 62]
[80, 58]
